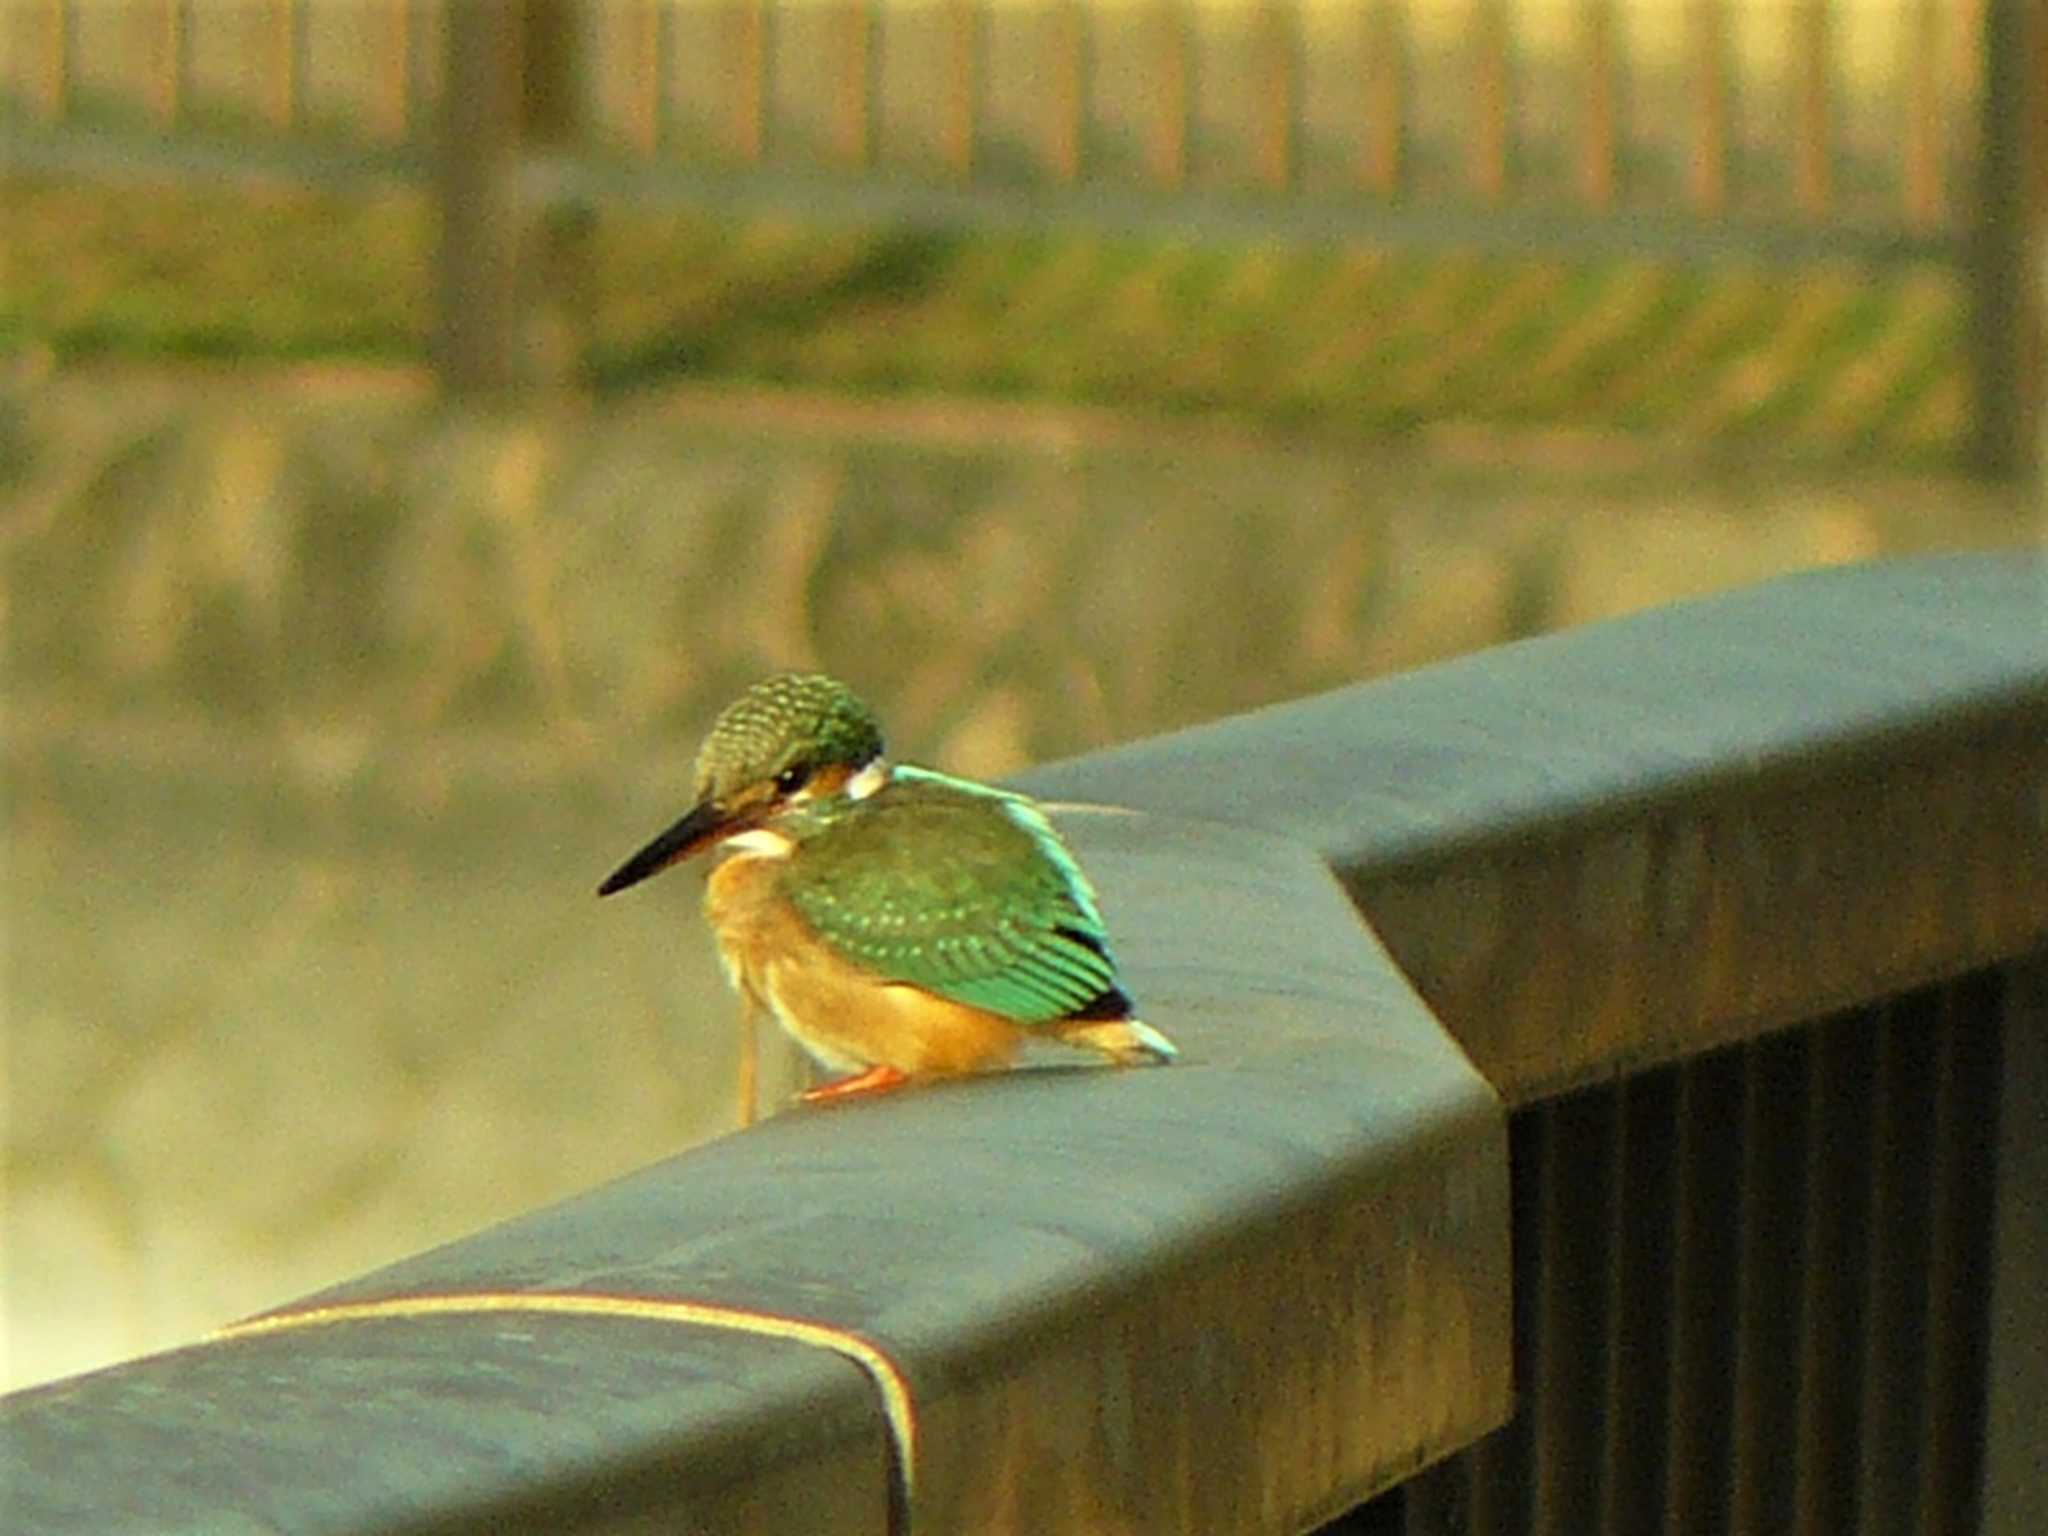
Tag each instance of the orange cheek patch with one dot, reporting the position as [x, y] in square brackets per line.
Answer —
[828, 780]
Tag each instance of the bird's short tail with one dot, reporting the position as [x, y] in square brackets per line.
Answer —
[1127, 1042]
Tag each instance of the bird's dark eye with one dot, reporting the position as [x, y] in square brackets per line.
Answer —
[792, 778]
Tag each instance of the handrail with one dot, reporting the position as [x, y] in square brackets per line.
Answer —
[1241, 1293]
[1633, 842]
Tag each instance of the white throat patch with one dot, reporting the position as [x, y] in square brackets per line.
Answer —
[760, 843]
[868, 779]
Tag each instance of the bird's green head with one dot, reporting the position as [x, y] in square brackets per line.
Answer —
[788, 734]
[792, 740]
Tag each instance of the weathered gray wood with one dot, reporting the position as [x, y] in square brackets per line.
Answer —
[2015, 1489]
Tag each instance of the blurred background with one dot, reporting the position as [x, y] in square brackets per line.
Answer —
[418, 416]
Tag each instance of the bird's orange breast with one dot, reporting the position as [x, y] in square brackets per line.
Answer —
[846, 1016]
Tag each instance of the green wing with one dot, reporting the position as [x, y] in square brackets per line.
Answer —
[962, 890]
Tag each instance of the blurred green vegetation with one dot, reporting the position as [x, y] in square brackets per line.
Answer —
[1333, 341]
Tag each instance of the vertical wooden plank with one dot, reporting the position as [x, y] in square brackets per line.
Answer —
[1597, 130]
[1567, 1396]
[747, 69]
[1962, 86]
[1170, 129]
[2005, 308]
[854, 120]
[1708, 183]
[1644, 1245]
[1841, 1089]
[550, 41]
[2014, 1494]
[1492, 103]
[478, 256]
[1958, 1299]
[1386, 96]
[553, 300]
[430, 61]
[53, 94]
[963, 85]
[171, 57]
[1813, 148]
[1921, 172]
[1893, 1416]
[281, 108]
[393, 121]
[1067, 101]
[646, 70]
[1705, 1275]
[1773, 1240]
[1277, 44]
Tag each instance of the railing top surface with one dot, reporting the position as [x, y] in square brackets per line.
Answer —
[1640, 839]
[1238, 1293]
[1545, 732]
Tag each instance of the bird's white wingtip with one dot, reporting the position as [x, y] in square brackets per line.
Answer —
[1152, 1040]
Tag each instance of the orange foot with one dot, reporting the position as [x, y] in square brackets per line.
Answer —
[874, 1080]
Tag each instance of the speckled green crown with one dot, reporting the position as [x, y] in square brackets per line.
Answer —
[782, 720]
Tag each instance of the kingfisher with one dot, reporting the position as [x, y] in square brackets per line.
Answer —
[897, 922]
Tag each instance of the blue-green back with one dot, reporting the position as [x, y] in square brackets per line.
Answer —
[960, 889]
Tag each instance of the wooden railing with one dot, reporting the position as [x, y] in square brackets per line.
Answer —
[1626, 130]
[1742, 905]
[1741, 908]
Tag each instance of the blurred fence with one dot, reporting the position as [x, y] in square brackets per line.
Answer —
[1792, 130]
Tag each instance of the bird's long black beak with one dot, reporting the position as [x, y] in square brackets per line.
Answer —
[703, 825]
